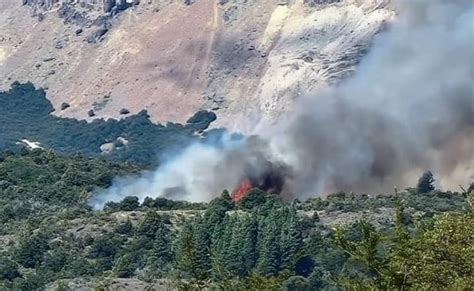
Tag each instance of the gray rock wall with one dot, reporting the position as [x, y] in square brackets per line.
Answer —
[100, 5]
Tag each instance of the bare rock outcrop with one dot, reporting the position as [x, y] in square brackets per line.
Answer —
[247, 60]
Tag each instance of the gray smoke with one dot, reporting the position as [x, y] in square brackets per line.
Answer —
[408, 108]
[199, 173]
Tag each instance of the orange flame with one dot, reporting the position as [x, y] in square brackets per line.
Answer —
[242, 191]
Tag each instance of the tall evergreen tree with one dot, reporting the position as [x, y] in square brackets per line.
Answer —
[151, 225]
[186, 250]
[291, 239]
[269, 250]
[8, 269]
[249, 249]
[220, 239]
[216, 212]
[125, 228]
[189, 257]
[31, 250]
[203, 245]
[162, 251]
[425, 183]
[235, 255]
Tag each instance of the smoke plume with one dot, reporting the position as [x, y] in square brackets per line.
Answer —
[199, 173]
[408, 108]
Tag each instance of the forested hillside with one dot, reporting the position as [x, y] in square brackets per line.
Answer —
[420, 238]
[25, 114]
[235, 145]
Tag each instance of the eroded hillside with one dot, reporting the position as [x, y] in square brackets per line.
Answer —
[247, 60]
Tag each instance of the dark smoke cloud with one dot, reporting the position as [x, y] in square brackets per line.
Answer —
[408, 108]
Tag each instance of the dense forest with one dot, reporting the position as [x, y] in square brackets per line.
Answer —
[26, 114]
[418, 238]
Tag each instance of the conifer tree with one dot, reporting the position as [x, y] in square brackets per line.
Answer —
[236, 253]
[162, 251]
[216, 212]
[151, 225]
[249, 249]
[291, 239]
[186, 251]
[203, 245]
[220, 239]
[125, 228]
[269, 250]
[425, 183]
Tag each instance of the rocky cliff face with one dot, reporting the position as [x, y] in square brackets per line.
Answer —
[101, 5]
[246, 59]
[82, 13]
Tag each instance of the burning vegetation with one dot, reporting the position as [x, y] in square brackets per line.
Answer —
[241, 191]
[272, 180]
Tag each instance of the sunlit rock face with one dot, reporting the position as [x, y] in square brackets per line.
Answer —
[248, 61]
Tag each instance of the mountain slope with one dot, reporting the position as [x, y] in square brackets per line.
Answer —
[240, 58]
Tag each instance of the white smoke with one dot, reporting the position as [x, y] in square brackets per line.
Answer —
[199, 173]
[191, 176]
[408, 108]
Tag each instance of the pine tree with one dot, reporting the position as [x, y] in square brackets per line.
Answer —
[31, 250]
[151, 225]
[189, 255]
[425, 183]
[162, 246]
[316, 279]
[269, 249]
[186, 250]
[291, 239]
[125, 228]
[296, 283]
[401, 231]
[125, 266]
[249, 249]
[8, 269]
[314, 244]
[235, 255]
[219, 246]
[216, 212]
[203, 244]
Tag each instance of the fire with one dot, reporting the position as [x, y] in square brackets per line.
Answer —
[271, 180]
[241, 191]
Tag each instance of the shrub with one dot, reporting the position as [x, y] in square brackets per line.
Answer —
[8, 269]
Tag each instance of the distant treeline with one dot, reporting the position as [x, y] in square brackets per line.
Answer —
[26, 114]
